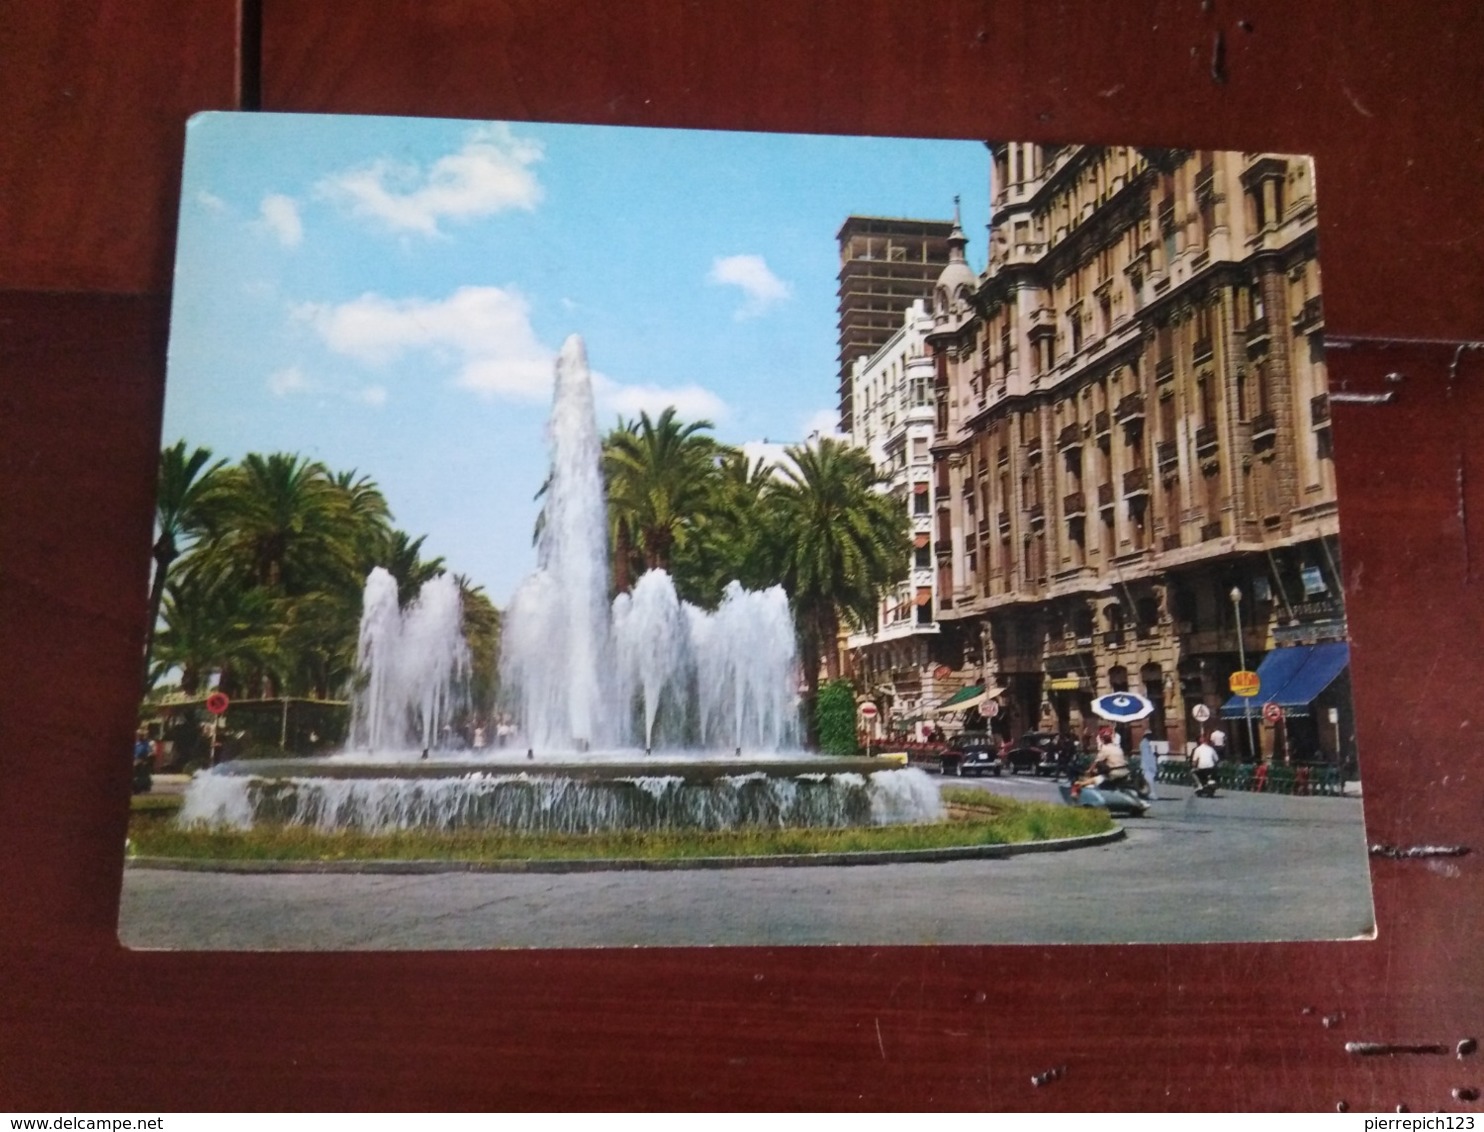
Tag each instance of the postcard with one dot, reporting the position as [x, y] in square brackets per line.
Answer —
[576, 536]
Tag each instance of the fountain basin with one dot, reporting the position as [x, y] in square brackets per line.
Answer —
[574, 797]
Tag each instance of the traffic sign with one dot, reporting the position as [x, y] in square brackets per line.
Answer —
[217, 702]
[1272, 712]
[1245, 683]
[868, 710]
[1201, 713]
[990, 710]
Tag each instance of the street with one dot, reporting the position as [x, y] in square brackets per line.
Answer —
[1231, 868]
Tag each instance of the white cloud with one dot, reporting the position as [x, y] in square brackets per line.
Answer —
[491, 173]
[373, 395]
[691, 402]
[826, 422]
[281, 215]
[751, 274]
[285, 382]
[210, 201]
[483, 333]
[484, 337]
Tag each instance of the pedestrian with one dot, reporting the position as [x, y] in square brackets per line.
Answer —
[1147, 762]
[1203, 763]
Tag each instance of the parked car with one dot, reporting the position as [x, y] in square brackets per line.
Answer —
[1037, 752]
[972, 752]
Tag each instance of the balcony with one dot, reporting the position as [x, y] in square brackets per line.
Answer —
[1309, 316]
[1136, 482]
[1164, 370]
[1113, 638]
[1033, 448]
[1070, 436]
[1264, 426]
[1105, 496]
[1130, 408]
[1167, 216]
[1205, 439]
[1002, 521]
[1167, 455]
[1211, 530]
[1074, 506]
[1042, 323]
[1037, 514]
[1257, 333]
[1171, 541]
[1319, 410]
[1002, 457]
[1202, 350]
[1102, 424]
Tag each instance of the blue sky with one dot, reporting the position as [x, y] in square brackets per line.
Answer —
[388, 294]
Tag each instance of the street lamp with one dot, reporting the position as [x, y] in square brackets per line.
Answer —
[1236, 596]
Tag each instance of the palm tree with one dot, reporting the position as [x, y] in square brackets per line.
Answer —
[482, 635]
[401, 555]
[368, 513]
[837, 543]
[284, 526]
[659, 476]
[727, 539]
[212, 624]
[184, 482]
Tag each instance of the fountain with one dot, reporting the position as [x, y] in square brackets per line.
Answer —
[643, 713]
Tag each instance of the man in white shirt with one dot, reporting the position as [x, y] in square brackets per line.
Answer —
[1203, 763]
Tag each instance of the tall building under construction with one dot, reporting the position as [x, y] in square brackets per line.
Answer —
[885, 264]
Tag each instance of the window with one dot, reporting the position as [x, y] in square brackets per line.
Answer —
[922, 559]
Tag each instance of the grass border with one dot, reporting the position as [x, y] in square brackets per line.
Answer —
[629, 864]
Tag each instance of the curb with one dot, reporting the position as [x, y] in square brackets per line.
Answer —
[631, 864]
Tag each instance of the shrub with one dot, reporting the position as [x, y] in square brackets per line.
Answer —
[835, 715]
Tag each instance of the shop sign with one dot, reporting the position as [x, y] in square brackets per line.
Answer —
[1245, 683]
[1313, 581]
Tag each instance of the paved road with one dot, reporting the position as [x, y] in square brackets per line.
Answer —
[1236, 867]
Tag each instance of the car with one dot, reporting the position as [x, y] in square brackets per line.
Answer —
[1036, 752]
[972, 752]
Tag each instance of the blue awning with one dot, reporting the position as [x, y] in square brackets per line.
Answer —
[1293, 678]
[1324, 665]
[1273, 674]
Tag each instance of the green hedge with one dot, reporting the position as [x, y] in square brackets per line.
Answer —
[835, 714]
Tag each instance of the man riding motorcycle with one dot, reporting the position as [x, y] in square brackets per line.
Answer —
[1109, 766]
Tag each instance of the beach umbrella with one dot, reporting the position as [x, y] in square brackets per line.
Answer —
[1122, 707]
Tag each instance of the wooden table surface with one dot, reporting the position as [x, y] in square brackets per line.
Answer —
[1387, 97]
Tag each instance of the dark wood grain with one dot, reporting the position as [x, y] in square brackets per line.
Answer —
[96, 94]
[1385, 98]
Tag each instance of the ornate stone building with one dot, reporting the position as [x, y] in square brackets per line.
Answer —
[1132, 477]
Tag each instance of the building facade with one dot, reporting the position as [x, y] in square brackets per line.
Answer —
[1132, 478]
[896, 660]
[886, 264]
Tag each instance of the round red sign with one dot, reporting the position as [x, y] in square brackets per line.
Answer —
[217, 702]
[868, 709]
[1272, 712]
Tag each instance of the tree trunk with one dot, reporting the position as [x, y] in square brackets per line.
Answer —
[829, 640]
[809, 657]
[164, 555]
